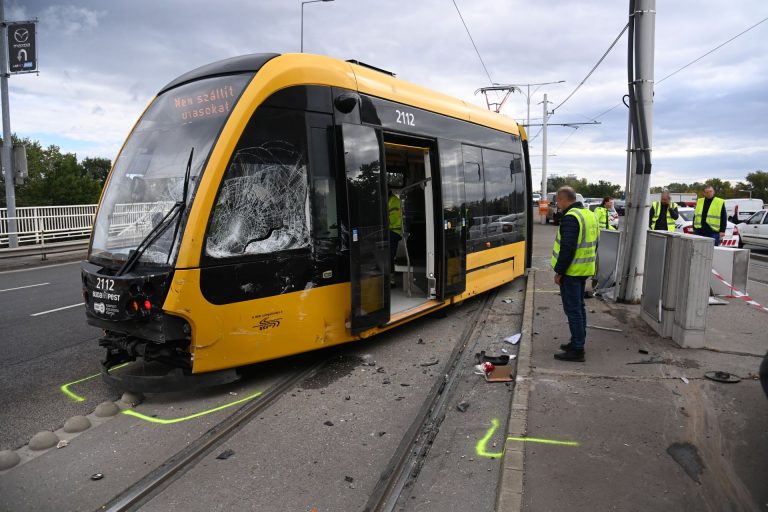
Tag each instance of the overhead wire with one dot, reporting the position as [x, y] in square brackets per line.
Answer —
[594, 67]
[473, 42]
[694, 61]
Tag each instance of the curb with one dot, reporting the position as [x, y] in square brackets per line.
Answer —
[509, 496]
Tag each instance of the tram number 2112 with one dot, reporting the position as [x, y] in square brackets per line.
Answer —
[406, 118]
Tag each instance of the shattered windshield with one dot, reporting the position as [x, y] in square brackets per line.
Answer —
[263, 203]
[148, 176]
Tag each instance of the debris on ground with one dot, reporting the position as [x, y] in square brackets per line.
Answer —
[725, 377]
[650, 360]
[507, 300]
[601, 328]
[431, 362]
[514, 338]
[97, 476]
[462, 406]
[225, 454]
[349, 479]
[684, 379]
[62, 444]
[328, 423]
[643, 351]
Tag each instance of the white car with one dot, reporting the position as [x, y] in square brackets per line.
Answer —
[755, 230]
[684, 224]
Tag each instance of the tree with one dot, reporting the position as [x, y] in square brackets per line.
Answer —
[56, 178]
[758, 184]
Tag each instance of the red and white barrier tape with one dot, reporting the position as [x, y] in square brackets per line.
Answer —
[738, 294]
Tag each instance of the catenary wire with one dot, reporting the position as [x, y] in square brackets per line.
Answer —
[473, 42]
[594, 67]
[694, 61]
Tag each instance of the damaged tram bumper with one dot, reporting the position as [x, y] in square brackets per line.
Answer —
[136, 329]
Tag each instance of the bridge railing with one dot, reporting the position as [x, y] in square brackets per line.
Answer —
[38, 225]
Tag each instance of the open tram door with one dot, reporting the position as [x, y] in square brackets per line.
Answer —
[368, 227]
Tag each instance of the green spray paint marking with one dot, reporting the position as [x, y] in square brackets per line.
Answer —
[74, 396]
[543, 441]
[480, 447]
[162, 421]
[481, 451]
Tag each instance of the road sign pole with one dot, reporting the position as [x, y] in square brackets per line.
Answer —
[5, 151]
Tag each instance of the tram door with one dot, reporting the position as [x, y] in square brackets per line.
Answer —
[368, 231]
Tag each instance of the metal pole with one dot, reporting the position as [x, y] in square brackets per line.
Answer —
[643, 17]
[302, 27]
[5, 157]
[528, 104]
[544, 156]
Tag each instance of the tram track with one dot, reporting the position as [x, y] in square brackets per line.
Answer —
[404, 466]
[173, 468]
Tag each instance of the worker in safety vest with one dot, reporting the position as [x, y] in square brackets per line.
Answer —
[709, 219]
[663, 214]
[605, 214]
[395, 226]
[573, 260]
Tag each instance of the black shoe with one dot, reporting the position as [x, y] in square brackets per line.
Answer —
[566, 346]
[588, 295]
[576, 356]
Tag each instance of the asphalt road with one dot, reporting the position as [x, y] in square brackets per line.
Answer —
[45, 343]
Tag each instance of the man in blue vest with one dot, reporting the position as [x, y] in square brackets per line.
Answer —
[709, 219]
[573, 260]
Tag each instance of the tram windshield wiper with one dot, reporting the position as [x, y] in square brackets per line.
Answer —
[161, 226]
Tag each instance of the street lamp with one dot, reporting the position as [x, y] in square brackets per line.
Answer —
[748, 191]
[302, 18]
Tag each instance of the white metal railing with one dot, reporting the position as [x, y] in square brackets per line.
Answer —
[44, 224]
[39, 225]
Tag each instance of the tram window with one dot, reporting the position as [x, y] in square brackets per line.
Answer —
[473, 192]
[263, 199]
[499, 194]
[324, 217]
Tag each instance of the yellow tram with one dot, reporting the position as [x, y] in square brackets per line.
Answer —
[246, 216]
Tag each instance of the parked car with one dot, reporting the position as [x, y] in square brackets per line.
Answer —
[739, 210]
[619, 204]
[535, 197]
[684, 224]
[554, 214]
[755, 230]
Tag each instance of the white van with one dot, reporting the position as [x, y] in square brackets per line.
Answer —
[739, 210]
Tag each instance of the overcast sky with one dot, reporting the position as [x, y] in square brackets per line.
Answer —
[102, 61]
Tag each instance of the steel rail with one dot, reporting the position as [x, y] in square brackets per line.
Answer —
[405, 464]
[156, 481]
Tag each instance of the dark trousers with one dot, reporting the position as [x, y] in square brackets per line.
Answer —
[572, 294]
[394, 239]
[713, 236]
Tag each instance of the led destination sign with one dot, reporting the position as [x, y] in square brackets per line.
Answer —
[206, 104]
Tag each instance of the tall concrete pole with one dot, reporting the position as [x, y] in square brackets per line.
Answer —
[544, 148]
[544, 155]
[5, 153]
[641, 74]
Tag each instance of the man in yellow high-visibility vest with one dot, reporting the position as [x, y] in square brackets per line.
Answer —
[395, 226]
[709, 219]
[663, 214]
[573, 260]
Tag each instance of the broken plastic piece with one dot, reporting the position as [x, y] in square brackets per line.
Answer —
[507, 301]
[97, 476]
[643, 351]
[462, 406]
[684, 379]
[514, 338]
[430, 363]
[601, 328]
[62, 444]
[225, 454]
